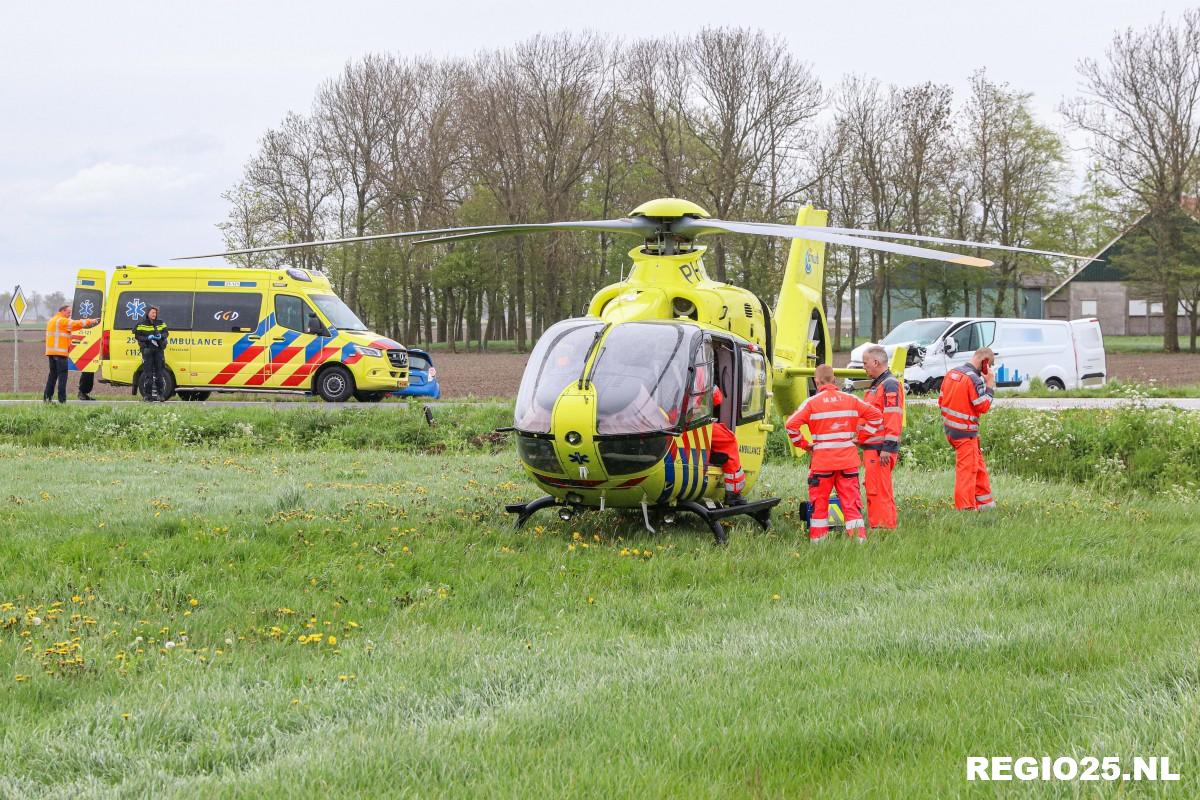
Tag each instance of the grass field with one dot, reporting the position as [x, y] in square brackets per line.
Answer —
[311, 620]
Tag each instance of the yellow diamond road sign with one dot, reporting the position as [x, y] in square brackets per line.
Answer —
[17, 305]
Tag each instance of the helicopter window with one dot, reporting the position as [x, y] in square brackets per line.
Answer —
[557, 360]
[700, 398]
[754, 386]
[639, 377]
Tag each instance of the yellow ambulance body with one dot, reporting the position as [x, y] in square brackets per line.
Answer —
[260, 330]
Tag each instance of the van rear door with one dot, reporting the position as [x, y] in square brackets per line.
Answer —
[88, 303]
[1089, 352]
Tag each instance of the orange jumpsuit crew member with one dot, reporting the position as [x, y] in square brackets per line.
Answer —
[839, 422]
[966, 396]
[58, 348]
[881, 451]
[724, 441]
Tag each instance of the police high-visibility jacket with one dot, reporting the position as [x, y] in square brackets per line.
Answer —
[964, 399]
[839, 422]
[151, 333]
[58, 334]
[887, 394]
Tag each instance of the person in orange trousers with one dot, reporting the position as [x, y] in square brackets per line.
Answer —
[966, 396]
[724, 441]
[881, 451]
[838, 422]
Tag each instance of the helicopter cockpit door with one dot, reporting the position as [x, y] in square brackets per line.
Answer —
[752, 395]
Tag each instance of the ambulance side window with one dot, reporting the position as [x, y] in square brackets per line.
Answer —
[174, 308]
[88, 304]
[291, 312]
[226, 311]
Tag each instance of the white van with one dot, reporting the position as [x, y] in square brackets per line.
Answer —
[1065, 355]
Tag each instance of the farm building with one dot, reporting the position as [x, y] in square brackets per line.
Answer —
[1102, 290]
[946, 291]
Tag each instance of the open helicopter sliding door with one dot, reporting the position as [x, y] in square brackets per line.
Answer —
[751, 407]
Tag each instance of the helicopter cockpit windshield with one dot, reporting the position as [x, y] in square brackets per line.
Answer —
[639, 375]
[557, 360]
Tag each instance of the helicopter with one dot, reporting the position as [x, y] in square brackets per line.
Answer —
[616, 409]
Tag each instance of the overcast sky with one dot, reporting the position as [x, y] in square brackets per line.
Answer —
[122, 122]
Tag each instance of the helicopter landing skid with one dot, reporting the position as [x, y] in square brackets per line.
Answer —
[758, 510]
[526, 510]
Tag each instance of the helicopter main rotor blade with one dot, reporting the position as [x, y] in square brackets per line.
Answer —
[640, 226]
[690, 227]
[911, 237]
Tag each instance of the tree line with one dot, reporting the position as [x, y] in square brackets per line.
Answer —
[582, 126]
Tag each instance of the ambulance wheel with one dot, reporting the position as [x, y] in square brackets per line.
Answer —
[335, 384]
[369, 397]
[1054, 385]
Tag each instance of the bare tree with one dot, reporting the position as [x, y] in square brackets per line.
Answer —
[1142, 110]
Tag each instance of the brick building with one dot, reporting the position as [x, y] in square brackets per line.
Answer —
[1098, 289]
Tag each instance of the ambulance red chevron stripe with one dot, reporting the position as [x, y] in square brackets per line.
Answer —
[306, 369]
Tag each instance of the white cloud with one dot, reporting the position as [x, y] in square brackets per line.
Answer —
[108, 184]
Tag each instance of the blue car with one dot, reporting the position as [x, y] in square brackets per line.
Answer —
[422, 377]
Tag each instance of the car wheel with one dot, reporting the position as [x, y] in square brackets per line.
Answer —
[1055, 385]
[335, 384]
[369, 397]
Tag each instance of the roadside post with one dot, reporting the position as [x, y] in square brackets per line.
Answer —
[18, 307]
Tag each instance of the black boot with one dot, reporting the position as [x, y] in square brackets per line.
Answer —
[734, 499]
[85, 396]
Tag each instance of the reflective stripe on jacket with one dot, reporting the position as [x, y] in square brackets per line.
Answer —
[58, 334]
[887, 394]
[964, 399]
[839, 422]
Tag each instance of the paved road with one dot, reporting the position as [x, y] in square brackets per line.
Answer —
[1037, 403]
[1059, 403]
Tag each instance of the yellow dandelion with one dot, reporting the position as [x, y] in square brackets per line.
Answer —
[193, 602]
[776, 597]
[332, 640]
[126, 715]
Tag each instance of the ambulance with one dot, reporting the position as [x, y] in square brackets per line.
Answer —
[235, 330]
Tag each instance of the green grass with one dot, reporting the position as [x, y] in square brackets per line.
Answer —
[1133, 344]
[1114, 388]
[474, 660]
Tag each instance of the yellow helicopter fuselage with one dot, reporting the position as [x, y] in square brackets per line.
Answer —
[615, 408]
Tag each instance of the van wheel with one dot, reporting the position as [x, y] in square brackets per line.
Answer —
[369, 397]
[1055, 385]
[335, 384]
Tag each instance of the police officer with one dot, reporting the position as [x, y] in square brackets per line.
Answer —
[151, 334]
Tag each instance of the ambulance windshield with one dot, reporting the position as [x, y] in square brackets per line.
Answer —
[338, 313]
[557, 360]
[640, 375]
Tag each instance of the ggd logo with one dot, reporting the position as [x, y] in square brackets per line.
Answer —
[226, 316]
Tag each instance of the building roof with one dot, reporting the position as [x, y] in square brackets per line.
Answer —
[1099, 266]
